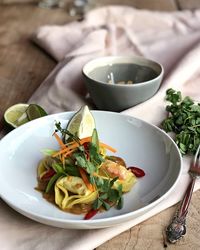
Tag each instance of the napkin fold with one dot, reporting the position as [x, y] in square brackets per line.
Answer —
[172, 39]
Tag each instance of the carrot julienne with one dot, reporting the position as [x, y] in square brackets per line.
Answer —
[69, 152]
[59, 140]
[108, 147]
[72, 146]
[85, 179]
[66, 150]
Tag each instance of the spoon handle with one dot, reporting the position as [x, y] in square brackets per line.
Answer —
[177, 227]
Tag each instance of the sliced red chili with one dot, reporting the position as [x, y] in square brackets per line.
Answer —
[138, 172]
[47, 176]
[86, 147]
[90, 214]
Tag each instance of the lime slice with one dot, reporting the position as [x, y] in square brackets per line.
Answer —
[34, 111]
[16, 115]
[21, 113]
[82, 123]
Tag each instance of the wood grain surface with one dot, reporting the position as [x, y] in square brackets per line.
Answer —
[23, 66]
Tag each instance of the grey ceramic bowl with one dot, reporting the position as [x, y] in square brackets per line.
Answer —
[116, 83]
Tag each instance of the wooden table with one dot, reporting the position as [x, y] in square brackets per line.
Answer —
[23, 66]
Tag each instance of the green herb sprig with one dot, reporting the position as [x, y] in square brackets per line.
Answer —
[184, 120]
[66, 132]
[107, 195]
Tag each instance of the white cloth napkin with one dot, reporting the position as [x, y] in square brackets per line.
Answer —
[169, 38]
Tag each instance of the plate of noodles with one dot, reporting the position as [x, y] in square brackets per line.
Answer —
[120, 171]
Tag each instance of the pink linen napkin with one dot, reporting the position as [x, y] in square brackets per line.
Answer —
[169, 38]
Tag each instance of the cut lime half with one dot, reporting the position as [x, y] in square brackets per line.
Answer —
[82, 123]
[22, 113]
[16, 115]
[34, 111]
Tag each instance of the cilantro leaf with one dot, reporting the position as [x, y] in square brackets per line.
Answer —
[97, 204]
[72, 170]
[184, 120]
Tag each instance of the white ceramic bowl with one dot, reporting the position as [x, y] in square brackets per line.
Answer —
[138, 142]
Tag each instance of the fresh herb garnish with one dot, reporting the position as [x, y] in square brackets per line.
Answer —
[66, 132]
[71, 170]
[107, 195]
[184, 120]
[91, 163]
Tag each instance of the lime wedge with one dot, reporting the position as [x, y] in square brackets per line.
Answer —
[34, 111]
[16, 115]
[21, 113]
[82, 123]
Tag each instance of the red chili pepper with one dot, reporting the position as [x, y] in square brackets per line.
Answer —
[90, 214]
[138, 172]
[48, 174]
[86, 147]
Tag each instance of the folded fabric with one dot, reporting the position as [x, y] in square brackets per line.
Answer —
[172, 39]
[164, 37]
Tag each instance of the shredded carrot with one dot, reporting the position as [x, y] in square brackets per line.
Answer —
[85, 179]
[59, 140]
[63, 159]
[72, 146]
[68, 148]
[108, 147]
[69, 143]
[83, 140]
[69, 152]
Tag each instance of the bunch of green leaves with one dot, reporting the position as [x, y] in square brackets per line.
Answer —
[95, 158]
[108, 196]
[184, 120]
[89, 159]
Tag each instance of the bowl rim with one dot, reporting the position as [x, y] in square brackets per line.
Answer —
[106, 59]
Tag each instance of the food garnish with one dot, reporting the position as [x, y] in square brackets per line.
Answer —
[183, 120]
[138, 172]
[82, 123]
